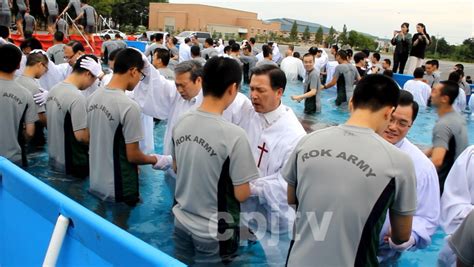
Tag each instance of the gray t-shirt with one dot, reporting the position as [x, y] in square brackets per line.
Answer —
[4, 7]
[312, 81]
[172, 64]
[432, 79]
[174, 51]
[462, 241]
[266, 62]
[52, 7]
[200, 60]
[113, 120]
[167, 73]
[16, 107]
[62, 26]
[346, 178]
[151, 49]
[121, 44]
[249, 63]
[209, 52]
[21, 5]
[209, 167]
[33, 87]
[346, 75]
[76, 4]
[56, 53]
[450, 133]
[30, 23]
[109, 46]
[66, 114]
[89, 15]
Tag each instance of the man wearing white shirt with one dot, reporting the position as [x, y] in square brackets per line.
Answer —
[425, 220]
[320, 58]
[185, 50]
[457, 200]
[292, 66]
[418, 88]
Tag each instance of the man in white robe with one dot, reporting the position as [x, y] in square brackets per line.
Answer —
[292, 66]
[457, 200]
[273, 131]
[425, 220]
[185, 50]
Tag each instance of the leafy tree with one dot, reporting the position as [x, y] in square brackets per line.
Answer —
[343, 36]
[294, 32]
[330, 38]
[306, 34]
[318, 38]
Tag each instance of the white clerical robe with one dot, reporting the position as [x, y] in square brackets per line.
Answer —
[292, 67]
[184, 53]
[460, 102]
[457, 200]
[272, 136]
[320, 62]
[425, 220]
[330, 69]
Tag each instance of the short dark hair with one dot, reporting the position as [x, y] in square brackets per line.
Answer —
[195, 50]
[126, 59]
[342, 54]
[308, 55]
[313, 50]
[35, 58]
[4, 32]
[248, 47]
[388, 73]
[296, 54]
[163, 54]
[376, 56]
[459, 66]
[11, 57]
[117, 35]
[76, 46]
[349, 52]
[435, 62]
[406, 99]
[59, 36]
[158, 37]
[219, 73]
[267, 50]
[231, 42]
[32, 43]
[359, 56]
[366, 52]
[107, 37]
[454, 76]
[77, 66]
[187, 40]
[461, 72]
[227, 48]
[388, 61]
[375, 92]
[209, 41]
[335, 47]
[450, 89]
[252, 40]
[235, 47]
[192, 66]
[419, 72]
[152, 37]
[174, 40]
[276, 75]
[114, 54]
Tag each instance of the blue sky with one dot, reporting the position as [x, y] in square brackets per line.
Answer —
[453, 20]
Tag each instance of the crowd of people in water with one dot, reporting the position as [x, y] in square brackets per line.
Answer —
[243, 167]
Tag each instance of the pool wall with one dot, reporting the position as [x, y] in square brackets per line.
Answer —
[28, 213]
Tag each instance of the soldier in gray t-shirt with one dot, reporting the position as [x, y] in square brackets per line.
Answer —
[450, 131]
[311, 85]
[30, 23]
[345, 179]
[17, 109]
[61, 26]
[5, 13]
[462, 241]
[213, 160]
[56, 53]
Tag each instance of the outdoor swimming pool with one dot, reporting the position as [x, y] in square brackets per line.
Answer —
[152, 220]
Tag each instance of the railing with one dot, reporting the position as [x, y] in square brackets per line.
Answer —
[29, 210]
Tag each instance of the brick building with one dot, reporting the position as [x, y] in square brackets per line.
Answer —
[194, 17]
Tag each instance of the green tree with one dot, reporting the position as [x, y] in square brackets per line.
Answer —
[318, 38]
[330, 38]
[294, 32]
[353, 38]
[343, 36]
[306, 34]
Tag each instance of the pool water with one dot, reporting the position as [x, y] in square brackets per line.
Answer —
[152, 219]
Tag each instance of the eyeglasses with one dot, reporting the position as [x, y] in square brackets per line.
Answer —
[45, 66]
[143, 75]
[400, 123]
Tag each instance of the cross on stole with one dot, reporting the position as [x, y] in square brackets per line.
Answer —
[263, 150]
